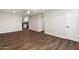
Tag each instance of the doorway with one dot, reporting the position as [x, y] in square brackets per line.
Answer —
[42, 22]
[25, 23]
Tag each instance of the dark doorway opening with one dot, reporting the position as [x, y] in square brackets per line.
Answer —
[25, 23]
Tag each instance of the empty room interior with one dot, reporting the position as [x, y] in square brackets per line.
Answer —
[39, 29]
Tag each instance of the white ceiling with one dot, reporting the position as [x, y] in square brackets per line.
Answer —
[24, 11]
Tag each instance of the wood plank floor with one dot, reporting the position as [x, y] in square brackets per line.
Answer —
[31, 40]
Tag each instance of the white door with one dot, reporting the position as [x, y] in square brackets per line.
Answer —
[72, 25]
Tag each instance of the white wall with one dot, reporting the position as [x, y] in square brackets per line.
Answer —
[36, 23]
[55, 23]
[10, 22]
[72, 20]
[57, 20]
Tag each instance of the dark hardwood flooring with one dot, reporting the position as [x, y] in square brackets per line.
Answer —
[31, 40]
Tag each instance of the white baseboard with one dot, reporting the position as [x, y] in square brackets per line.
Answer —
[62, 37]
[10, 31]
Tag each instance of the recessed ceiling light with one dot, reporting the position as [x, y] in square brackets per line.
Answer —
[28, 12]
